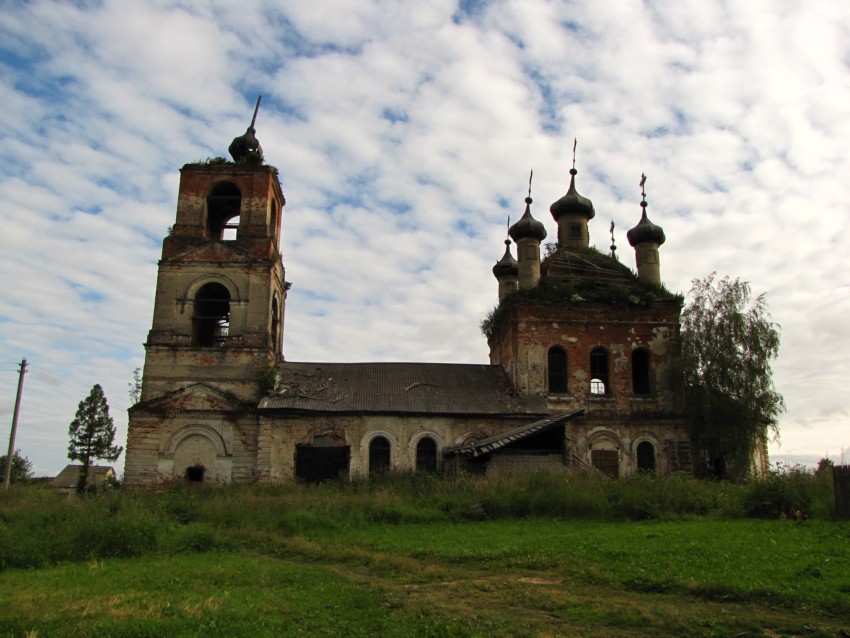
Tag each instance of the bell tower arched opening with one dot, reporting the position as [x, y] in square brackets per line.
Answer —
[224, 205]
[211, 317]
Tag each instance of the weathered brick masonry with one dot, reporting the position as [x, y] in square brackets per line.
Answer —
[576, 334]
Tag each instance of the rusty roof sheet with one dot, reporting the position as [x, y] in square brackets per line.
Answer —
[399, 388]
[587, 266]
[501, 440]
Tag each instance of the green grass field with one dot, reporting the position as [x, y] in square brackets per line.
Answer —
[418, 557]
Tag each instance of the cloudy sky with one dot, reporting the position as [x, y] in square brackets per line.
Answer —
[404, 133]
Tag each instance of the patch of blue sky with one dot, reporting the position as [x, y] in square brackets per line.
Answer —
[395, 116]
[310, 295]
[87, 294]
[466, 228]
[550, 120]
[680, 126]
[277, 104]
[398, 208]
[578, 32]
[350, 199]
[469, 10]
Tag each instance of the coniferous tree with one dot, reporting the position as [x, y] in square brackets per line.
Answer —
[728, 344]
[92, 434]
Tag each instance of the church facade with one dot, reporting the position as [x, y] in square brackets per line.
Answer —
[581, 374]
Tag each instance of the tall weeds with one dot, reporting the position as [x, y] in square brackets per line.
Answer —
[39, 527]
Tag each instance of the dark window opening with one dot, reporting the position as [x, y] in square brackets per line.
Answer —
[195, 474]
[575, 231]
[324, 461]
[557, 363]
[211, 318]
[599, 372]
[275, 335]
[223, 206]
[272, 217]
[426, 455]
[640, 372]
[379, 456]
[646, 457]
[606, 461]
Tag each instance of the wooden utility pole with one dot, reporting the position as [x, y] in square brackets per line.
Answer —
[11, 453]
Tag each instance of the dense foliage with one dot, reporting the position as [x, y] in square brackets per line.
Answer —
[92, 433]
[21, 467]
[728, 344]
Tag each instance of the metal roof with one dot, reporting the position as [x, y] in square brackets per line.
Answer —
[399, 388]
[501, 440]
[587, 266]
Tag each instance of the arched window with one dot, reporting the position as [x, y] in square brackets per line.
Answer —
[379, 456]
[272, 216]
[426, 455]
[640, 372]
[557, 366]
[224, 204]
[646, 457]
[275, 332]
[211, 316]
[599, 372]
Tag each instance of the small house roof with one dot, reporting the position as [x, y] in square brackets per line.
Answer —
[69, 476]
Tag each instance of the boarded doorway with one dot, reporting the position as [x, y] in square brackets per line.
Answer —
[317, 463]
[606, 461]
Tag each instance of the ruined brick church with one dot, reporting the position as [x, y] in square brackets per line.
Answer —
[581, 372]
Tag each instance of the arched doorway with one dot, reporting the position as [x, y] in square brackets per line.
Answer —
[379, 456]
[426, 455]
[646, 457]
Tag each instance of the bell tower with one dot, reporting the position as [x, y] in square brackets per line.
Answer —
[217, 328]
[220, 293]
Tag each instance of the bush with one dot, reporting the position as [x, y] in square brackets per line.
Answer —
[789, 490]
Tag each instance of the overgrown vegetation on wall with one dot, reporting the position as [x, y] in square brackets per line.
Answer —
[549, 292]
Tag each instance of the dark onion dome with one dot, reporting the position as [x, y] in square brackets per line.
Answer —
[645, 232]
[527, 226]
[572, 203]
[507, 265]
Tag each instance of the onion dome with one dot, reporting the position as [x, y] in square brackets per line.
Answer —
[527, 226]
[572, 203]
[645, 232]
[507, 265]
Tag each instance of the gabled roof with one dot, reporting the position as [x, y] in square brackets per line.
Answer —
[70, 476]
[501, 440]
[399, 388]
[196, 396]
[216, 251]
